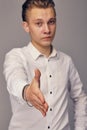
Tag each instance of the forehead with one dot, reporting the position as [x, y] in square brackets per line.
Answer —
[41, 13]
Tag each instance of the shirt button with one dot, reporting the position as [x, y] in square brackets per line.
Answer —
[50, 76]
[50, 109]
[48, 127]
[50, 92]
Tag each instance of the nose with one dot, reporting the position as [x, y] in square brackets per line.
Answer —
[46, 29]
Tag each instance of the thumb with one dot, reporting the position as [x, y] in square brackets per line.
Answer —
[37, 74]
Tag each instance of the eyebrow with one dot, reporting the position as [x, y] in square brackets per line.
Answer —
[38, 19]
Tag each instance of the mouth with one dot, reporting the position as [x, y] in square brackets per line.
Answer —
[47, 38]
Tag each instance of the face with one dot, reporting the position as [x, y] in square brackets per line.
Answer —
[41, 25]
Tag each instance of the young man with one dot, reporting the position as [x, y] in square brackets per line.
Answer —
[39, 78]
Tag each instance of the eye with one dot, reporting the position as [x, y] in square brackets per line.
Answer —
[39, 24]
[52, 21]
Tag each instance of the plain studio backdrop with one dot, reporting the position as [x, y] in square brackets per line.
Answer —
[71, 38]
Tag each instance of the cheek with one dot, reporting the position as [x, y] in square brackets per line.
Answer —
[53, 30]
[36, 32]
[33, 32]
[40, 31]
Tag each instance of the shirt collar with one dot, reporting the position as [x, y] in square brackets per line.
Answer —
[35, 53]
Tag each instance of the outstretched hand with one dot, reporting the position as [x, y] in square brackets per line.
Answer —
[35, 96]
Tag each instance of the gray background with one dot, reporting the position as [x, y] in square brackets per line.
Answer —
[71, 38]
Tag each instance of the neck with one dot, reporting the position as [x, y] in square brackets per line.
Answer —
[46, 50]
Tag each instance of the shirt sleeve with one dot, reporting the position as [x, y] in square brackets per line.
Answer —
[15, 73]
[79, 98]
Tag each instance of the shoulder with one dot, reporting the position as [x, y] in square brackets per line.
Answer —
[15, 54]
[64, 56]
[16, 51]
[67, 61]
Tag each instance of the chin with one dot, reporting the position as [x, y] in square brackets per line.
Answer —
[47, 43]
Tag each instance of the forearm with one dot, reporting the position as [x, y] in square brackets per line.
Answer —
[81, 112]
[15, 73]
[79, 98]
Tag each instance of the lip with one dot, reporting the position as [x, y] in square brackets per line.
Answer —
[48, 37]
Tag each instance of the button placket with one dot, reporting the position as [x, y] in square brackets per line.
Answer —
[50, 95]
[50, 100]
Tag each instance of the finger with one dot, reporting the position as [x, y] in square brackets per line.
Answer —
[43, 106]
[40, 96]
[42, 111]
[46, 106]
[37, 74]
[37, 92]
[40, 108]
[37, 101]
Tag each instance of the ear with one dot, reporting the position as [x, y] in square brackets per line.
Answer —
[25, 26]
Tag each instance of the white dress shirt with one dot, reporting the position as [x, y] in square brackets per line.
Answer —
[59, 77]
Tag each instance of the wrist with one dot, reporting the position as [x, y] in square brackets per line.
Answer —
[24, 95]
[24, 92]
